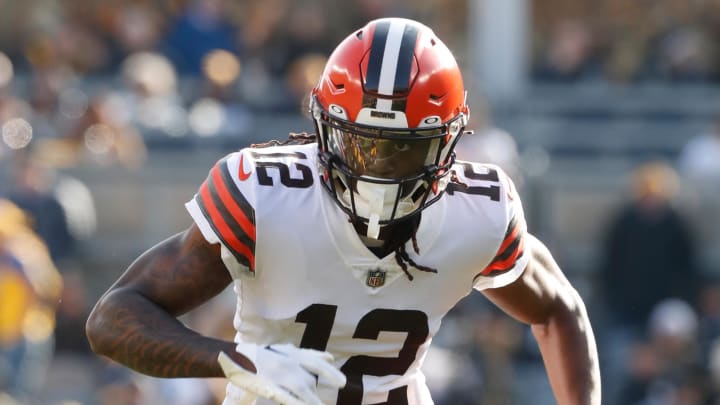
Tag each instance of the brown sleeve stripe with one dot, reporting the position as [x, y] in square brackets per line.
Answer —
[511, 249]
[233, 199]
[511, 233]
[230, 215]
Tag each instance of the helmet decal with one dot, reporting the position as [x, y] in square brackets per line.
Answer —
[392, 54]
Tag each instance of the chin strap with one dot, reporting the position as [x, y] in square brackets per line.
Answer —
[376, 207]
[373, 227]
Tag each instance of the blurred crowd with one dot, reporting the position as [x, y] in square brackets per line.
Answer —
[627, 41]
[105, 83]
[99, 80]
[654, 302]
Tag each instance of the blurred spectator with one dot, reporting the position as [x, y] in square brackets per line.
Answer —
[61, 208]
[301, 78]
[31, 190]
[72, 312]
[673, 327]
[219, 109]
[568, 55]
[452, 377]
[73, 371]
[62, 211]
[117, 386]
[664, 40]
[17, 298]
[305, 33]
[152, 102]
[30, 287]
[648, 256]
[100, 136]
[649, 251]
[709, 311]
[624, 59]
[497, 341]
[685, 53]
[201, 28]
[133, 27]
[667, 367]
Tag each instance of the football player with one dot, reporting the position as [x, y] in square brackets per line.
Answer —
[347, 247]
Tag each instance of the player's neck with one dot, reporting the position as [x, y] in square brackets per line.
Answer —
[391, 236]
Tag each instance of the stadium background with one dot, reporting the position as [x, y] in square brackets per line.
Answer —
[115, 110]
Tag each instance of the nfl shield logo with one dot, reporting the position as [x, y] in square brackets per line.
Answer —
[376, 278]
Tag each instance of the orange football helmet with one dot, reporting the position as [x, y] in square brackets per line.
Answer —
[388, 109]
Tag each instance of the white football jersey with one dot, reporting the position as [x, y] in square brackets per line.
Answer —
[303, 275]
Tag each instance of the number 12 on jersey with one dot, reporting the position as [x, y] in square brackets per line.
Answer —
[320, 318]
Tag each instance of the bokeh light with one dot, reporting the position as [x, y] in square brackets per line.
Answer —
[207, 117]
[221, 67]
[162, 114]
[17, 133]
[304, 72]
[151, 73]
[99, 138]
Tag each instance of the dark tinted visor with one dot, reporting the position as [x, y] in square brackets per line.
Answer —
[394, 155]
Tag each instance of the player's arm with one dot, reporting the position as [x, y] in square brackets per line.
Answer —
[545, 299]
[135, 322]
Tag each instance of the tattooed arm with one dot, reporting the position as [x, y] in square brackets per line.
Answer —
[135, 322]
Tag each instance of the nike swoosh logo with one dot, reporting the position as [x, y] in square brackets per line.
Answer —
[241, 170]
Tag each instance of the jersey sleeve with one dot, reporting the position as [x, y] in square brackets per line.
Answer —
[223, 211]
[512, 256]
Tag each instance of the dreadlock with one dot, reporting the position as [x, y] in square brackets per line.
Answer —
[294, 138]
[403, 259]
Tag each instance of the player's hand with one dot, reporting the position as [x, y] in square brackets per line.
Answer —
[285, 374]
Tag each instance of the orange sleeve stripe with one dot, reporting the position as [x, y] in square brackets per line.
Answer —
[510, 250]
[235, 210]
[241, 251]
[507, 263]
